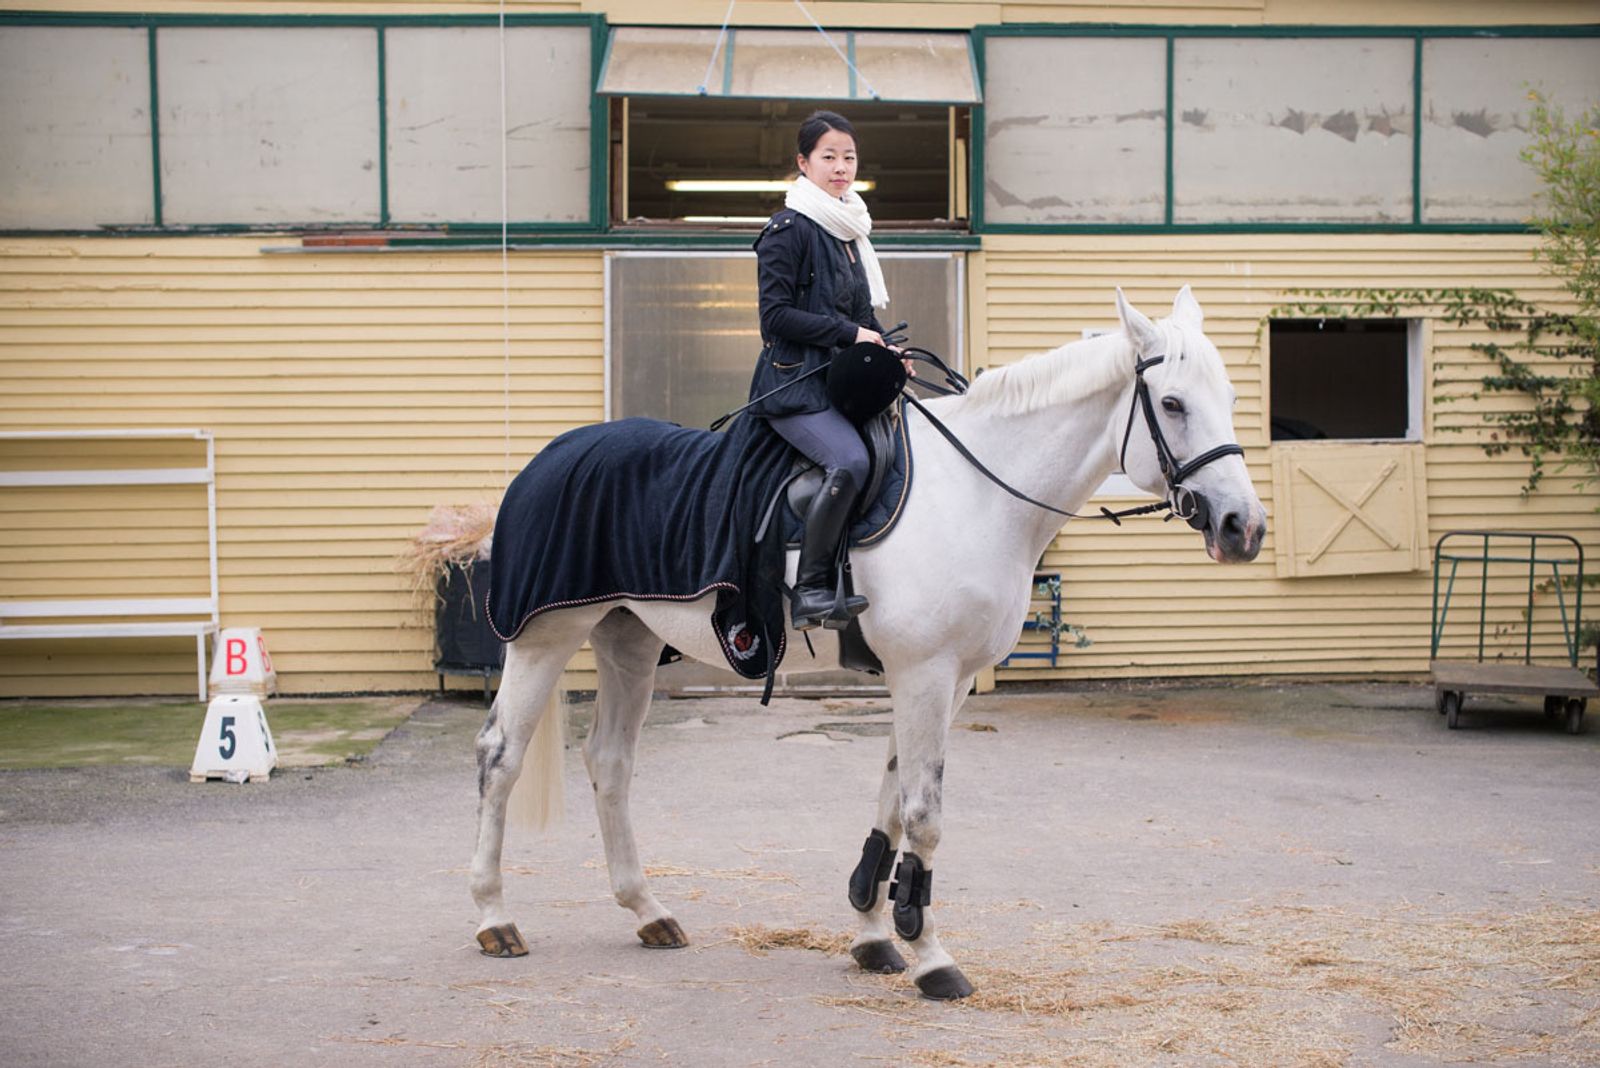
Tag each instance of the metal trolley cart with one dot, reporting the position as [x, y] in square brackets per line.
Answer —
[1565, 689]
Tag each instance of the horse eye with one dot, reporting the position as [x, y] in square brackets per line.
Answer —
[1172, 404]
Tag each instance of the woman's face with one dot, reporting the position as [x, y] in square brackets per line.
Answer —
[831, 166]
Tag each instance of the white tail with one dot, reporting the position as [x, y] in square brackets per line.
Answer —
[538, 799]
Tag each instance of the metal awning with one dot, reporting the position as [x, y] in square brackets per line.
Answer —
[763, 64]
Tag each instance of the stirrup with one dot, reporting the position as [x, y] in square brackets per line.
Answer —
[833, 614]
[843, 610]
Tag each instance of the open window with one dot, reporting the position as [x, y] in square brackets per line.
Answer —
[702, 127]
[1346, 379]
[728, 162]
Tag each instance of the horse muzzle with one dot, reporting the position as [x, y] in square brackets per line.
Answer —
[1233, 535]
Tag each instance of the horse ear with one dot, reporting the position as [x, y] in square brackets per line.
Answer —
[1140, 330]
[1186, 309]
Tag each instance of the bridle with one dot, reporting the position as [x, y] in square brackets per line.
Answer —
[1181, 501]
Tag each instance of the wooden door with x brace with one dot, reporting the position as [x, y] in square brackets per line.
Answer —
[1349, 509]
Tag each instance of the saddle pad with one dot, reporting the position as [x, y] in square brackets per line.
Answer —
[642, 509]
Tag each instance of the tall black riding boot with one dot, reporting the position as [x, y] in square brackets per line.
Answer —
[816, 585]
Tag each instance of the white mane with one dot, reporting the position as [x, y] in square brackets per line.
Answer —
[1070, 373]
[1081, 369]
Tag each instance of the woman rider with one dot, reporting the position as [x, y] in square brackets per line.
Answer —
[819, 283]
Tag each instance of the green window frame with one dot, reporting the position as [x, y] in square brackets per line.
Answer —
[1172, 34]
[378, 24]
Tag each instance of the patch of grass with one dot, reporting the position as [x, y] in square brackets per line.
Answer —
[163, 733]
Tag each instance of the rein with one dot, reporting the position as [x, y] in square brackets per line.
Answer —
[1180, 502]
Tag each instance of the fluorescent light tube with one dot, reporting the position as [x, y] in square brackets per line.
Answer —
[743, 185]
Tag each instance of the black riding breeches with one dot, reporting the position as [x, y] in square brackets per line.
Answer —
[828, 439]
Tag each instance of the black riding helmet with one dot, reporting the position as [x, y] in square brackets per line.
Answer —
[864, 379]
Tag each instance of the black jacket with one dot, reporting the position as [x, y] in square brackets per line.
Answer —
[813, 297]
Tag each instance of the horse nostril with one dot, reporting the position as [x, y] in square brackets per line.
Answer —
[1232, 527]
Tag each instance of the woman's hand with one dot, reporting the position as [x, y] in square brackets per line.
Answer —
[863, 334]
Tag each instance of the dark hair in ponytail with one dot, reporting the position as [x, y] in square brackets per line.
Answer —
[817, 124]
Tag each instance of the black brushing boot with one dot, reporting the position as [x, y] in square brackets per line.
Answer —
[817, 586]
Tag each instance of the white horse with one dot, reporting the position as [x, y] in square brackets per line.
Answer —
[1054, 426]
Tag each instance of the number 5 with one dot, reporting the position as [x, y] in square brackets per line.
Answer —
[230, 741]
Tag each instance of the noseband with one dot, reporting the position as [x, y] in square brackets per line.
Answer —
[1183, 501]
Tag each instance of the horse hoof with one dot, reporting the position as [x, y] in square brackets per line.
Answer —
[502, 941]
[663, 934]
[944, 984]
[879, 957]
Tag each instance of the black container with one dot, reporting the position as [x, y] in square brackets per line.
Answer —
[463, 643]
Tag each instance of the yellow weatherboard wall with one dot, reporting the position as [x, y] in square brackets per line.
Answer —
[351, 392]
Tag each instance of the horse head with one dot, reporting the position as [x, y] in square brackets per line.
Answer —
[1178, 441]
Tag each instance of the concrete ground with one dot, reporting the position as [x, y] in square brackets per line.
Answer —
[1266, 875]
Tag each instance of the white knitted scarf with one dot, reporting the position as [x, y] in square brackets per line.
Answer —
[847, 219]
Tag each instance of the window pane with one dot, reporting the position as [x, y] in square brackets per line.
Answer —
[1074, 130]
[75, 128]
[1475, 100]
[1340, 378]
[268, 125]
[916, 66]
[444, 123]
[684, 337]
[789, 64]
[1298, 130]
[646, 61]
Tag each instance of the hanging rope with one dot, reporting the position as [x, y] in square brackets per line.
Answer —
[722, 35]
[844, 58]
[505, 256]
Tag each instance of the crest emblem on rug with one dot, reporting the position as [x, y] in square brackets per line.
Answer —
[741, 643]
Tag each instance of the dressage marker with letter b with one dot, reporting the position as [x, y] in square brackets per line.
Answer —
[242, 664]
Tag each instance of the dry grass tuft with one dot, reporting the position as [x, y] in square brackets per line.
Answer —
[936, 1058]
[1041, 992]
[1293, 986]
[758, 939]
[874, 1003]
[1196, 931]
[455, 534]
[754, 875]
[509, 1054]
[527, 1055]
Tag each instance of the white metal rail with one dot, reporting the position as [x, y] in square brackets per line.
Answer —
[90, 618]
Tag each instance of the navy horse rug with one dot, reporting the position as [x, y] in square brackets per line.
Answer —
[641, 509]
